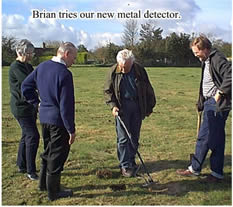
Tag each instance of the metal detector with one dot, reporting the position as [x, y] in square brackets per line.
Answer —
[149, 181]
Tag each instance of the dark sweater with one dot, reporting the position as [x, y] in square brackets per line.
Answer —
[128, 86]
[19, 106]
[54, 83]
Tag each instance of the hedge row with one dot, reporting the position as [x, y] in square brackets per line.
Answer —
[81, 58]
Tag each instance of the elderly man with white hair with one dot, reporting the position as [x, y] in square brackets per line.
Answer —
[129, 93]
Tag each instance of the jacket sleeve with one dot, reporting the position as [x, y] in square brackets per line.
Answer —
[67, 101]
[109, 93]
[151, 98]
[29, 89]
[224, 68]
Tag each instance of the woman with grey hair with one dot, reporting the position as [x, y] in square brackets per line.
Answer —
[129, 93]
[24, 112]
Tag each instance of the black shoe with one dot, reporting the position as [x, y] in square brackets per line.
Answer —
[33, 176]
[211, 179]
[54, 190]
[61, 194]
[64, 193]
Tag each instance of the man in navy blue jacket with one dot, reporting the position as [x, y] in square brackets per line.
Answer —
[54, 83]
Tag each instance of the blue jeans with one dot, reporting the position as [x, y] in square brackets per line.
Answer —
[28, 144]
[131, 117]
[211, 136]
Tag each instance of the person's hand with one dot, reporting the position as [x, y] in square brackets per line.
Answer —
[217, 96]
[72, 138]
[115, 111]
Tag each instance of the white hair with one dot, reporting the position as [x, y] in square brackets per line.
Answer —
[125, 55]
[23, 47]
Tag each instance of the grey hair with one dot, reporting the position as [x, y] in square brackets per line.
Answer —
[23, 47]
[66, 46]
[125, 55]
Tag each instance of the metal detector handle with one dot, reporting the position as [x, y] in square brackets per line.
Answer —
[127, 132]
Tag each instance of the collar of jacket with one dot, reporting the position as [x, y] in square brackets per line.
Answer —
[118, 69]
[212, 52]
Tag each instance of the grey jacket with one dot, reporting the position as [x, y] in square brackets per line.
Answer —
[220, 71]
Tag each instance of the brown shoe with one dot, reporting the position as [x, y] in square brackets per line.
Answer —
[211, 179]
[185, 172]
[127, 172]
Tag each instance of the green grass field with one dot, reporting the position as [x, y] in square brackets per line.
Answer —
[167, 138]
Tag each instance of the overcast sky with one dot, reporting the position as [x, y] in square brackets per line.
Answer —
[196, 16]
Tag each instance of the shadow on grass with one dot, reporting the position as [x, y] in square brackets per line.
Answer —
[9, 143]
[173, 188]
[161, 165]
[152, 167]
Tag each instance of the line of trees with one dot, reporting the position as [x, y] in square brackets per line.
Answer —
[149, 47]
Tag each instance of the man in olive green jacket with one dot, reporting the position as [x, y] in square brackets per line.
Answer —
[129, 93]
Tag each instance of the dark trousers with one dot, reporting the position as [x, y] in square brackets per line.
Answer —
[211, 136]
[28, 145]
[131, 117]
[56, 147]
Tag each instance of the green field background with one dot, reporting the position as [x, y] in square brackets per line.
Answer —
[167, 138]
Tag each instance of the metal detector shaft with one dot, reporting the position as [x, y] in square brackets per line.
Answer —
[139, 156]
